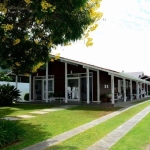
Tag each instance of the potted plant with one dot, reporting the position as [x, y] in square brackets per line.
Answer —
[109, 96]
[103, 97]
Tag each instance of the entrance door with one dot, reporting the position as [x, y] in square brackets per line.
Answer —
[73, 89]
[84, 89]
[38, 90]
[50, 88]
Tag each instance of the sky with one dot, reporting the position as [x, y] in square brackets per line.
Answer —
[122, 40]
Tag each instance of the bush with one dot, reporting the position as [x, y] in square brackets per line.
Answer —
[26, 96]
[7, 94]
[10, 132]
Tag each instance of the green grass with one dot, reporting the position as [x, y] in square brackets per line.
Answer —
[48, 125]
[139, 101]
[137, 139]
[19, 109]
[89, 137]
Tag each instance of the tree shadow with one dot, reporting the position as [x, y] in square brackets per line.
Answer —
[94, 108]
[32, 135]
[6, 111]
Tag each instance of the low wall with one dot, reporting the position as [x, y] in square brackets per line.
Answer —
[23, 87]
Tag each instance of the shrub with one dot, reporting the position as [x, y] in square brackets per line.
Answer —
[26, 96]
[10, 132]
[7, 94]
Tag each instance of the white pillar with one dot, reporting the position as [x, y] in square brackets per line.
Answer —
[66, 84]
[147, 90]
[47, 82]
[33, 86]
[141, 90]
[87, 81]
[131, 90]
[119, 86]
[30, 87]
[112, 89]
[124, 89]
[17, 81]
[137, 90]
[98, 89]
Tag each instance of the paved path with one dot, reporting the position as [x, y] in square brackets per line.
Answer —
[64, 136]
[109, 140]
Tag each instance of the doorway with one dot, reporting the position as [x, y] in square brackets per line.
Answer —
[83, 89]
[38, 90]
[73, 89]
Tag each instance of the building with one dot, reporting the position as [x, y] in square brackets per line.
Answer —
[78, 81]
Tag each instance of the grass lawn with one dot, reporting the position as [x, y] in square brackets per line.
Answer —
[89, 137]
[48, 125]
[136, 139]
[19, 109]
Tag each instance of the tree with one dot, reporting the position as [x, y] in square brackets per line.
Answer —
[4, 75]
[30, 29]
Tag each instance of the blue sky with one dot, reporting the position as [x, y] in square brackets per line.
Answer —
[121, 42]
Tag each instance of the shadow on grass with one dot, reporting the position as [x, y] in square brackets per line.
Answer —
[5, 111]
[32, 135]
[94, 108]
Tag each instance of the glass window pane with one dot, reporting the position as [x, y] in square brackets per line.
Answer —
[50, 85]
[73, 85]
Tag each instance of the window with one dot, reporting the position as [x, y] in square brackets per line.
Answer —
[106, 86]
[50, 85]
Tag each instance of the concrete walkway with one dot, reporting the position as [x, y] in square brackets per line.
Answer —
[109, 140]
[66, 135]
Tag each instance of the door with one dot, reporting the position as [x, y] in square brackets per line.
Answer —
[38, 90]
[73, 89]
[83, 93]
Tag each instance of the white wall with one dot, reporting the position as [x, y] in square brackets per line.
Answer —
[23, 87]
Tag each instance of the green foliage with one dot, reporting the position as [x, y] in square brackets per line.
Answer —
[7, 94]
[26, 96]
[4, 77]
[10, 132]
[30, 30]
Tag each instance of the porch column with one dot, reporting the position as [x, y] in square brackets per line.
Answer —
[119, 86]
[124, 89]
[30, 87]
[66, 84]
[98, 89]
[141, 90]
[137, 90]
[131, 90]
[16, 81]
[147, 90]
[112, 89]
[46, 82]
[87, 81]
